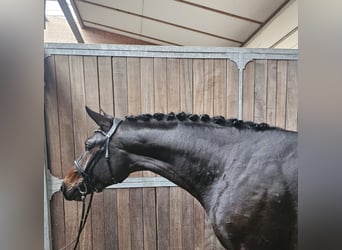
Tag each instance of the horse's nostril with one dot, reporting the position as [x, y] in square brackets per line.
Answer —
[62, 187]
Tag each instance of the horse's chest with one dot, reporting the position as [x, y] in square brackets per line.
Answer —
[257, 221]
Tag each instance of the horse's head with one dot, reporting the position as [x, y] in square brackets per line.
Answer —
[100, 165]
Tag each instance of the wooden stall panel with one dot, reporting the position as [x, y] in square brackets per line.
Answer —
[172, 84]
[149, 214]
[104, 95]
[162, 194]
[219, 104]
[110, 220]
[173, 105]
[80, 132]
[148, 194]
[292, 96]
[248, 92]
[151, 218]
[186, 86]
[119, 68]
[176, 218]
[66, 139]
[260, 91]
[133, 85]
[220, 87]
[232, 90]
[124, 224]
[209, 97]
[117, 206]
[187, 220]
[199, 218]
[198, 85]
[192, 218]
[270, 92]
[53, 151]
[280, 115]
[136, 218]
[91, 88]
[135, 194]
[147, 92]
[208, 91]
[163, 217]
[160, 85]
[79, 116]
[51, 117]
[93, 69]
[147, 85]
[203, 87]
[121, 210]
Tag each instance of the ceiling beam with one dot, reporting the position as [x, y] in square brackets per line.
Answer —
[71, 21]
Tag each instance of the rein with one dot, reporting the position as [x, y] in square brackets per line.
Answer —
[84, 172]
[83, 220]
[84, 216]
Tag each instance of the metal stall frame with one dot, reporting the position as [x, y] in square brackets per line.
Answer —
[240, 56]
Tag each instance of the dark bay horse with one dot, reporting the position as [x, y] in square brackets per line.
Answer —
[244, 174]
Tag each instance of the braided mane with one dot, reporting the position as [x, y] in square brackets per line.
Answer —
[182, 117]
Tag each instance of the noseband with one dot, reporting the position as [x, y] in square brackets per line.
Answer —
[85, 171]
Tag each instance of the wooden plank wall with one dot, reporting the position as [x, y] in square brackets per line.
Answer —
[270, 93]
[150, 218]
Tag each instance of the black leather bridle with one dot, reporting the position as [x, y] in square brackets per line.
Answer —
[85, 171]
[87, 179]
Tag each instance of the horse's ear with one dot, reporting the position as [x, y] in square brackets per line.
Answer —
[104, 121]
[106, 115]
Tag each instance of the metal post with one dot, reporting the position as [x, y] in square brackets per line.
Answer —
[240, 93]
[47, 222]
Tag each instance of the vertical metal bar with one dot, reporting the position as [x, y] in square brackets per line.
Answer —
[47, 225]
[71, 21]
[47, 222]
[240, 93]
[241, 61]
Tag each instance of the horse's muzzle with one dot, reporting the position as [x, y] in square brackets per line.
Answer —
[72, 194]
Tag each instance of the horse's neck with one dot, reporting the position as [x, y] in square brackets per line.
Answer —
[184, 155]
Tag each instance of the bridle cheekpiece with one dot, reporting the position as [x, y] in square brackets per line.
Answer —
[84, 171]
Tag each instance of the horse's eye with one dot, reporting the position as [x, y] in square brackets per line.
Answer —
[87, 146]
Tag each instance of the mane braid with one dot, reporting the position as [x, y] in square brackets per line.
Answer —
[204, 118]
